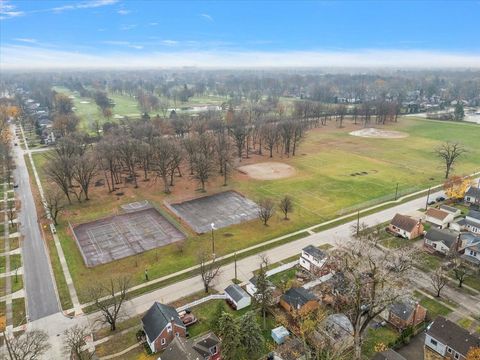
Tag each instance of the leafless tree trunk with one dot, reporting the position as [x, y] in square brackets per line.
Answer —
[74, 343]
[55, 202]
[449, 153]
[266, 209]
[286, 206]
[209, 270]
[28, 346]
[438, 280]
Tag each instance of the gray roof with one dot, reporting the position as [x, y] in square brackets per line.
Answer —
[181, 348]
[236, 292]
[474, 214]
[402, 309]
[404, 222]
[254, 280]
[388, 355]
[315, 252]
[452, 335]
[449, 209]
[473, 192]
[297, 297]
[157, 318]
[448, 237]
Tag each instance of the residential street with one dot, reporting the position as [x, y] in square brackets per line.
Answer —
[41, 298]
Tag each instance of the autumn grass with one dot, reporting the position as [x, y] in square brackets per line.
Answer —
[17, 283]
[384, 335]
[321, 188]
[19, 313]
[466, 323]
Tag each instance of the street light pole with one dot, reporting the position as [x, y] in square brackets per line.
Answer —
[213, 239]
[235, 257]
[428, 196]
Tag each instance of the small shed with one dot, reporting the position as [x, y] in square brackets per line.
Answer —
[279, 334]
[237, 297]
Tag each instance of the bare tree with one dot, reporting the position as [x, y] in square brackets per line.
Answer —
[286, 206]
[115, 292]
[162, 160]
[202, 168]
[55, 202]
[84, 171]
[270, 136]
[11, 211]
[75, 345]
[209, 270]
[449, 153]
[266, 209]
[28, 346]
[438, 280]
[59, 170]
[371, 281]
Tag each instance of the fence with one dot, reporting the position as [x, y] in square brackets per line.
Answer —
[202, 300]
[281, 268]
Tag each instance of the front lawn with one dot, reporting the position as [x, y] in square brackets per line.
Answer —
[374, 337]
[434, 307]
[428, 262]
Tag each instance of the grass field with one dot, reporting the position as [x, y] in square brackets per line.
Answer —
[434, 307]
[373, 337]
[321, 189]
[89, 112]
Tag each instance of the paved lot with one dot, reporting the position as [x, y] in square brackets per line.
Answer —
[116, 237]
[414, 350]
[223, 209]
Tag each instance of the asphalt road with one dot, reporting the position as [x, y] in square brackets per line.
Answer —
[41, 298]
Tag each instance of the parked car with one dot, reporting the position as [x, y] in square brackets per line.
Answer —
[431, 202]
[15, 186]
[440, 198]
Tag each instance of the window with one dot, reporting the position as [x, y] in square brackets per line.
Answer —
[177, 334]
[449, 350]
[163, 342]
[457, 356]
[213, 350]
[169, 327]
[433, 342]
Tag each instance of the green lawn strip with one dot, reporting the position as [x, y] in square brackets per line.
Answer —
[472, 280]
[19, 314]
[17, 283]
[61, 283]
[14, 243]
[434, 307]
[2, 264]
[15, 261]
[465, 323]
[384, 335]
[117, 343]
[3, 290]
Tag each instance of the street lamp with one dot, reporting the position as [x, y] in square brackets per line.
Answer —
[212, 225]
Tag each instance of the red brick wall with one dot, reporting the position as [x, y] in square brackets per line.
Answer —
[168, 336]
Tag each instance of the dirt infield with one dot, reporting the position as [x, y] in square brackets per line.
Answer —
[223, 209]
[267, 170]
[116, 237]
[379, 134]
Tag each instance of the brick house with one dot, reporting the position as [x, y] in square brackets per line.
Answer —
[403, 314]
[162, 325]
[406, 227]
[299, 299]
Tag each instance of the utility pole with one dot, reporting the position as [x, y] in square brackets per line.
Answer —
[213, 239]
[428, 196]
[235, 259]
[396, 192]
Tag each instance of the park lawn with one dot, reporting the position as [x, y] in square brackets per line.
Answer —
[322, 188]
[19, 313]
[434, 307]
[373, 337]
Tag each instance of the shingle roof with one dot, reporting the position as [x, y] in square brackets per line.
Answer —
[181, 348]
[404, 222]
[403, 309]
[449, 209]
[437, 214]
[315, 252]
[473, 192]
[448, 237]
[388, 355]
[157, 318]
[474, 214]
[236, 292]
[297, 297]
[452, 335]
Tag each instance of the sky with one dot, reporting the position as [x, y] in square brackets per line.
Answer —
[151, 34]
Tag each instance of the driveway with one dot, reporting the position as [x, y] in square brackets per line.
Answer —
[414, 350]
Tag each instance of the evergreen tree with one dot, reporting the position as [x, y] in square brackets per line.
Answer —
[264, 295]
[459, 113]
[215, 322]
[251, 338]
[229, 333]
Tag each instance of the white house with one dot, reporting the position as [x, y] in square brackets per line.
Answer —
[441, 240]
[472, 196]
[312, 259]
[472, 222]
[451, 210]
[449, 340]
[471, 248]
[438, 217]
[237, 297]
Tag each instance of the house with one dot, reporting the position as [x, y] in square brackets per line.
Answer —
[472, 196]
[438, 217]
[251, 286]
[313, 259]
[472, 221]
[280, 334]
[406, 227]
[451, 210]
[388, 355]
[237, 297]
[449, 340]
[299, 299]
[470, 248]
[405, 313]
[339, 330]
[206, 347]
[162, 325]
[441, 240]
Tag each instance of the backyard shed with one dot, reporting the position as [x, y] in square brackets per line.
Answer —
[279, 334]
[237, 297]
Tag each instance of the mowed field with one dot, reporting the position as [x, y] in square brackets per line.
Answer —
[89, 112]
[322, 188]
